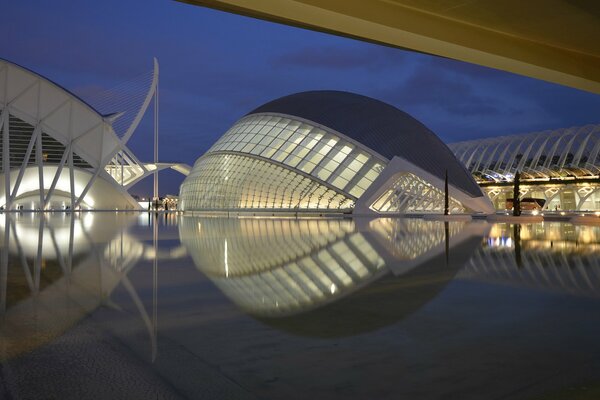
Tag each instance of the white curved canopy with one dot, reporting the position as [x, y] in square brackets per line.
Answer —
[39, 101]
[43, 124]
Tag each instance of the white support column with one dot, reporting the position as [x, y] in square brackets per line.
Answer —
[523, 160]
[487, 164]
[563, 134]
[508, 167]
[71, 178]
[6, 158]
[4, 266]
[475, 151]
[38, 148]
[567, 149]
[71, 170]
[487, 147]
[4, 120]
[39, 159]
[32, 141]
[156, 139]
[583, 146]
[87, 187]
[540, 152]
[506, 142]
[57, 175]
[596, 150]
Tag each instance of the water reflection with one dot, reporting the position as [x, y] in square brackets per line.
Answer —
[294, 274]
[56, 268]
[298, 274]
[550, 255]
[276, 303]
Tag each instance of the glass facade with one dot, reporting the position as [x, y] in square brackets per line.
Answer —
[410, 194]
[234, 181]
[309, 149]
[276, 162]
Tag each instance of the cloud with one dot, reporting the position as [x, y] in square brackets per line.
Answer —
[337, 57]
[434, 87]
[468, 70]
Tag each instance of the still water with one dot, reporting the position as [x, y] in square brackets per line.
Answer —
[136, 306]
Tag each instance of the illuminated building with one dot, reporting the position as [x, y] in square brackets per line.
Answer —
[561, 167]
[58, 152]
[329, 151]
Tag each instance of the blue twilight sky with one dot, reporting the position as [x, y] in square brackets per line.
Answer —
[215, 67]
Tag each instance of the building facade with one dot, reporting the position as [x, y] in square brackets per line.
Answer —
[57, 152]
[560, 167]
[329, 151]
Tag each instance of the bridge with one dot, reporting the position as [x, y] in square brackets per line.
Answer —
[552, 40]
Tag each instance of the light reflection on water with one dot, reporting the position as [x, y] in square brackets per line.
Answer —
[140, 277]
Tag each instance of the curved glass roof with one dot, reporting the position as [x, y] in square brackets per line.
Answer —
[379, 126]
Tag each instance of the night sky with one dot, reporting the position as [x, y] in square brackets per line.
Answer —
[215, 67]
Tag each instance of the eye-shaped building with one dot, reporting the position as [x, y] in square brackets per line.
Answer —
[329, 151]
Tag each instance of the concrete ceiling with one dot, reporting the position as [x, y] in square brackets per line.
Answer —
[552, 40]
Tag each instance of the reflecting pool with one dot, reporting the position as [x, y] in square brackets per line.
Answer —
[136, 306]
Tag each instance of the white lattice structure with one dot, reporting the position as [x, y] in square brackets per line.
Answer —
[561, 166]
[58, 152]
[409, 193]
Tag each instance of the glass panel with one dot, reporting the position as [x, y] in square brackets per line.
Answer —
[301, 146]
[223, 181]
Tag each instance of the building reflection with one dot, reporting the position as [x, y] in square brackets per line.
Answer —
[553, 256]
[56, 268]
[321, 277]
[302, 274]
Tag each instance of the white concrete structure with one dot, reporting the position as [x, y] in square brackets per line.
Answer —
[560, 167]
[57, 152]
